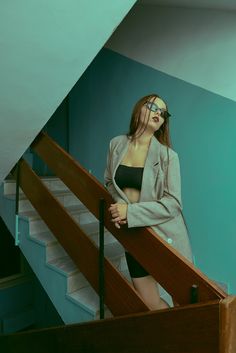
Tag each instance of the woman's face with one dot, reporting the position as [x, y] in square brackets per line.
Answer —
[151, 114]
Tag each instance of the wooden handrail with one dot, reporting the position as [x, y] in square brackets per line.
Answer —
[174, 272]
[202, 328]
[120, 295]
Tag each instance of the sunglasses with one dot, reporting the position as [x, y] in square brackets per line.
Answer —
[154, 108]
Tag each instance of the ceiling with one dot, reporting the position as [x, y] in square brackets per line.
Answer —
[210, 4]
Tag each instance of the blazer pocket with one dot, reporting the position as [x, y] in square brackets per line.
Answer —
[156, 168]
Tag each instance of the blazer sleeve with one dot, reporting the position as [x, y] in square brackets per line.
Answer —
[108, 178]
[159, 211]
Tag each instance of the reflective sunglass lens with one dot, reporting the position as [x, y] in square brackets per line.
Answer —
[154, 108]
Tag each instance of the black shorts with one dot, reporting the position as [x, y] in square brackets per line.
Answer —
[135, 269]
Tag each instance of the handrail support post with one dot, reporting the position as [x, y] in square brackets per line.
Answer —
[101, 258]
[17, 241]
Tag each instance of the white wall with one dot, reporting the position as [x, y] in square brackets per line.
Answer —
[45, 46]
[195, 45]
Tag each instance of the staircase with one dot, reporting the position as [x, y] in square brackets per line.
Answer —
[203, 323]
[72, 295]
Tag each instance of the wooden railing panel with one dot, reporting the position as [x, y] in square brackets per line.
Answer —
[228, 325]
[120, 296]
[167, 266]
[190, 329]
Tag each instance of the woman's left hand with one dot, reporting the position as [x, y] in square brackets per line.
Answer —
[118, 212]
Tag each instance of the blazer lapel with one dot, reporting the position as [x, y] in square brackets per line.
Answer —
[151, 167]
[117, 157]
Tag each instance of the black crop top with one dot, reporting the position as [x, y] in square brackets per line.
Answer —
[129, 177]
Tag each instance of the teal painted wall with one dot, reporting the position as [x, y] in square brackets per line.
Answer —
[57, 127]
[203, 129]
[24, 304]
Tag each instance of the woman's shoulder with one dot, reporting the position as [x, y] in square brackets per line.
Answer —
[167, 153]
[118, 139]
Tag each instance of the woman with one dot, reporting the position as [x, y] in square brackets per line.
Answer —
[143, 177]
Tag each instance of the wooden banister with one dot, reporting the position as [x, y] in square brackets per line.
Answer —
[200, 328]
[167, 266]
[120, 295]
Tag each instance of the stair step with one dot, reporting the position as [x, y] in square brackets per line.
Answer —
[89, 300]
[10, 187]
[54, 248]
[65, 197]
[54, 251]
[53, 183]
[79, 212]
[45, 238]
[76, 280]
[66, 266]
[92, 229]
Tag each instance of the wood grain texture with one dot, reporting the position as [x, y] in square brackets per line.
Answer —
[190, 329]
[175, 273]
[120, 296]
[228, 325]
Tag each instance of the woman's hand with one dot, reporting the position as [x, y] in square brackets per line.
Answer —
[118, 213]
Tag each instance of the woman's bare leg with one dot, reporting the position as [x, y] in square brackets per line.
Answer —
[148, 290]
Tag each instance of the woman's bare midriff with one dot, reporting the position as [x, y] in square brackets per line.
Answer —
[132, 194]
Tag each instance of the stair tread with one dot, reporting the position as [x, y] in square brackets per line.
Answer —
[50, 178]
[44, 237]
[44, 178]
[90, 228]
[33, 214]
[56, 193]
[65, 264]
[56, 184]
[87, 297]
[113, 250]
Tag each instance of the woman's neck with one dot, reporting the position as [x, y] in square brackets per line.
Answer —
[142, 140]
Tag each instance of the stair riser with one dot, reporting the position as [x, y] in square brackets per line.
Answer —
[66, 200]
[84, 217]
[53, 185]
[123, 264]
[38, 225]
[57, 251]
[10, 188]
[76, 282]
[54, 252]
[108, 238]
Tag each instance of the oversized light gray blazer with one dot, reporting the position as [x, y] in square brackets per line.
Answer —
[160, 203]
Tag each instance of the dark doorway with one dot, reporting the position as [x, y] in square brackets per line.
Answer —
[10, 258]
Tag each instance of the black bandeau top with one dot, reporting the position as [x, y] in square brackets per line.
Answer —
[129, 177]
